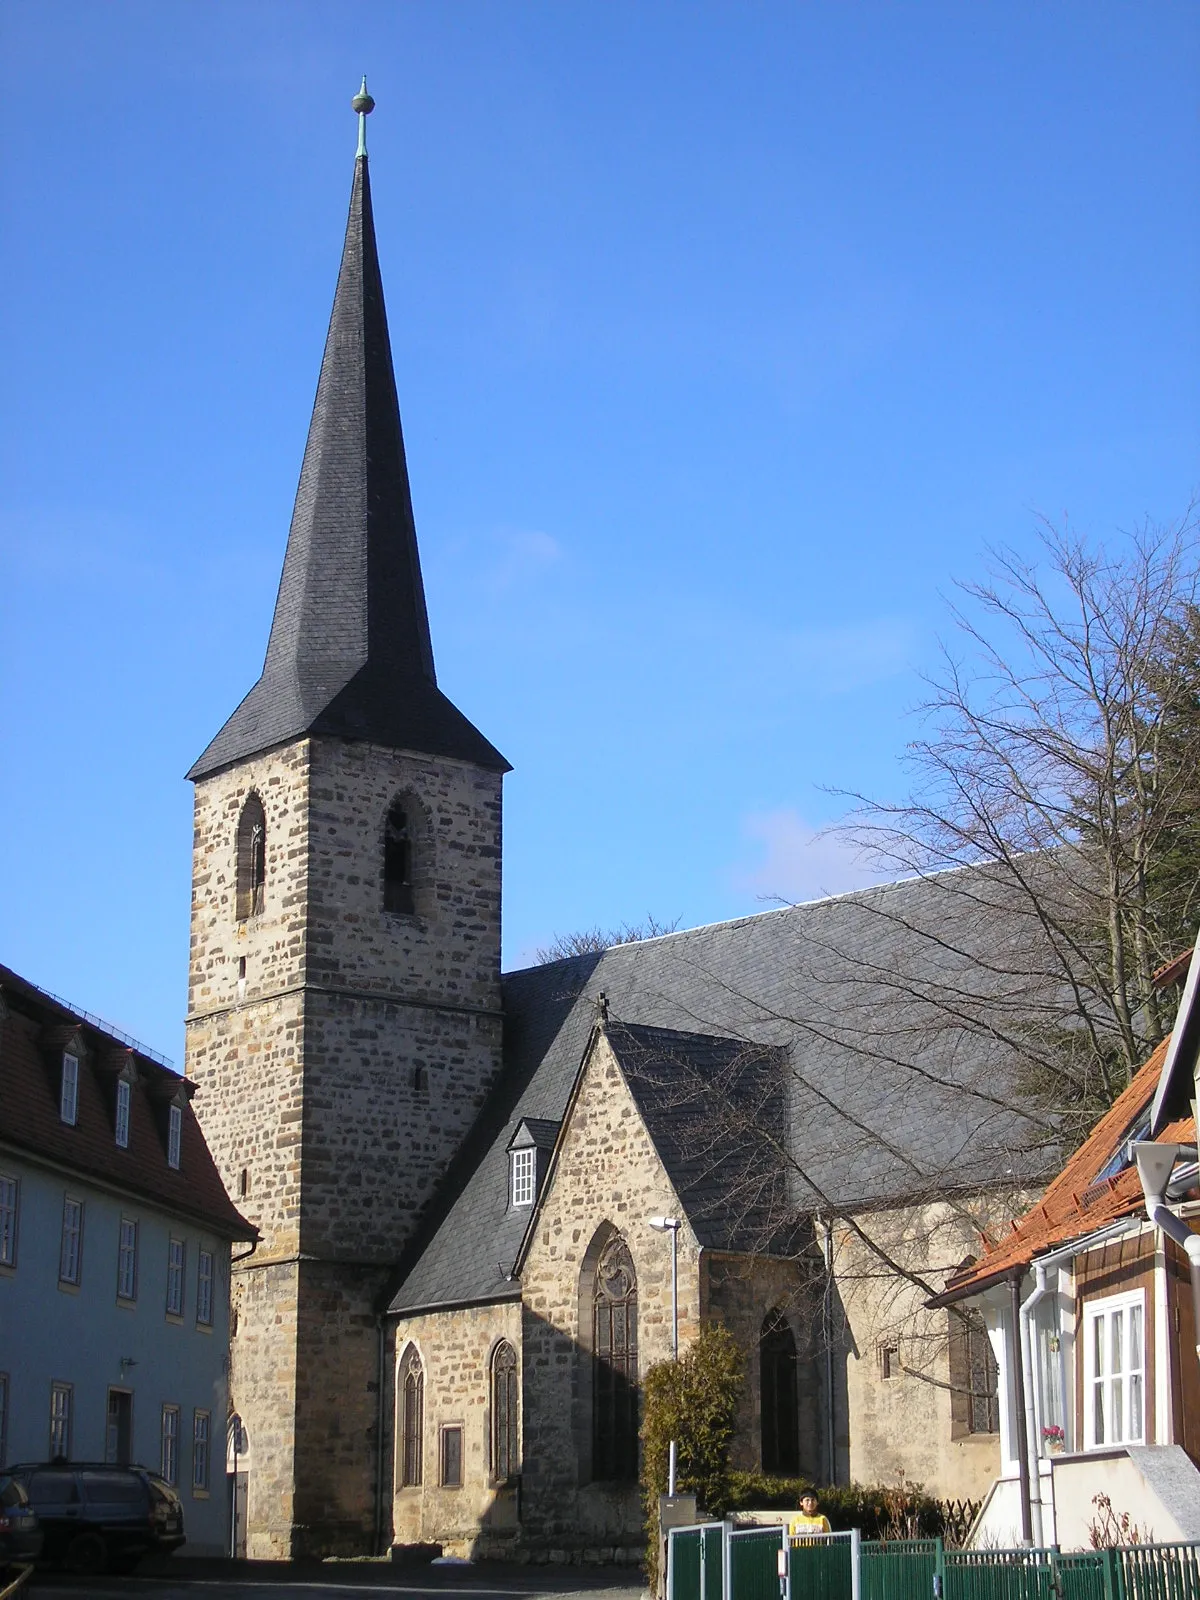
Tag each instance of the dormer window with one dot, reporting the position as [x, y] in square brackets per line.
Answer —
[68, 1101]
[124, 1095]
[524, 1177]
[174, 1135]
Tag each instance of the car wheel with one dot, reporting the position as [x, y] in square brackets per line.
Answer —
[87, 1554]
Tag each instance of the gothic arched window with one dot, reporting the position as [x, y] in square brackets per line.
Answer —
[506, 1456]
[398, 860]
[778, 1395]
[251, 859]
[412, 1416]
[614, 1353]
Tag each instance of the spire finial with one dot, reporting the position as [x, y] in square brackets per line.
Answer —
[364, 105]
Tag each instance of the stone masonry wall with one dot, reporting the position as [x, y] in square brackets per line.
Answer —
[480, 1518]
[740, 1292]
[608, 1172]
[902, 1425]
[341, 1053]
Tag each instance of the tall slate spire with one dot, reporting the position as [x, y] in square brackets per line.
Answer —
[349, 653]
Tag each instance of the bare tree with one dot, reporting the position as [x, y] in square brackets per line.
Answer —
[1060, 764]
[591, 941]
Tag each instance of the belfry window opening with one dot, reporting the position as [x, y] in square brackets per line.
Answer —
[398, 862]
[251, 859]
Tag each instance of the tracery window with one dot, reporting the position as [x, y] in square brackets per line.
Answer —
[398, 861]
[251, 859]
[614, 1347]
[505, 1451]
[412, 1416]
[778, 1396]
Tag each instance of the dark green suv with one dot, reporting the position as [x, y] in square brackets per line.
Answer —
[94, 1516]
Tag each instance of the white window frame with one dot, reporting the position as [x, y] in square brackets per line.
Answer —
[169, 1448]
[127, 1259]
[204, 1288]
[70, 1250]
[124, 1098]
[68, 1099]
[62, 1405]
[523, 1180]
[1131, 1378]
[10, 1201]
[201, 1450]
[176, 1264]
[174, 1135]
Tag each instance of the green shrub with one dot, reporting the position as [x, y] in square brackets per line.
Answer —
[904, 1511]
[694, 1401]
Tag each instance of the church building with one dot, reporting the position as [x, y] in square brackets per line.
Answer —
[487, 1205]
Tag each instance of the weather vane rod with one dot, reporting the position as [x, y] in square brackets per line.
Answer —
[364, 105]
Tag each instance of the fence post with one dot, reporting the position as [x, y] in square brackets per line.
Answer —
[726, 1560]
[855, 1564]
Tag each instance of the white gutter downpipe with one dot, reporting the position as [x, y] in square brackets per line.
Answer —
[1154, 1164]
[1032, 1390]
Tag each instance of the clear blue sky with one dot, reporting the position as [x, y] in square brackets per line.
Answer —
[726, 337]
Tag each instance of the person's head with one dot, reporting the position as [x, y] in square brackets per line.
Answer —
[808, 1503]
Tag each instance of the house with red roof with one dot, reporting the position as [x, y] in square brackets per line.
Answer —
[1092, 1306]
[116, 1237]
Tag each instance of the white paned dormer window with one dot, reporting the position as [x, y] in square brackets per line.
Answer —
[524, 1176]
[68, 1103]
[1114, 1383]
[174, 1135]
[123, 1096]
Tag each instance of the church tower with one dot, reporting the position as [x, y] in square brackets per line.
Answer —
[344, 996]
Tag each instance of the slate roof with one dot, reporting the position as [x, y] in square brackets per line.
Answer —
[34, 1029]
[349, 653]
[1079, 1201]
[883, 1101]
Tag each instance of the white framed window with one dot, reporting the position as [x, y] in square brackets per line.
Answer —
[123, 1097]
[174, 1135]
[8, 1223]
[61, 1405]
[201, 1433]
[169, 1455]
[127, 1252]
[1114, 1374]
[175, 1261]
[204, 1289]
[524, 1176]
[70, 1253]
[68, 1101]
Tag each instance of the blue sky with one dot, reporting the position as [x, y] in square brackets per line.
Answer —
[727, 337]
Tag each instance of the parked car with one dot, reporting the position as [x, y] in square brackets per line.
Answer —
[20, 1531]
[95, 1516]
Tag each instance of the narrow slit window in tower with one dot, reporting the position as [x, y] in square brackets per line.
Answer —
[398, 862]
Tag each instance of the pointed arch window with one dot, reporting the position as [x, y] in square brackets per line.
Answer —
[506, 1457]
[398, 893]
[614, 1347]
[251, 859]
[779, 1396]
[412, 1417]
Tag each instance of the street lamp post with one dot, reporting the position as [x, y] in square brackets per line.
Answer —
[671, 1225]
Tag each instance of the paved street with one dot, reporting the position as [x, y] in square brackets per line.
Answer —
[335, 1581]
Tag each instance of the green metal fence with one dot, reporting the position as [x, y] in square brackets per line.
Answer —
[718, 1562]
[899, 1569]
[1026, 1574]
[823, 1567]
[754, 1563]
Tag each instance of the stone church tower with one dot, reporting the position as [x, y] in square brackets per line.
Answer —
[344, 995]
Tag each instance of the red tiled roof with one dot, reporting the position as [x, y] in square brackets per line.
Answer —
[1078, 1202]
[32, 1039]
[1171, 971]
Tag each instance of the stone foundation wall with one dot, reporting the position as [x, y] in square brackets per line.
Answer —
[480, 1518]
[262, 1384]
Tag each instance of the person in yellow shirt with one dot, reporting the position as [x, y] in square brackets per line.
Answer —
[809, 1519]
